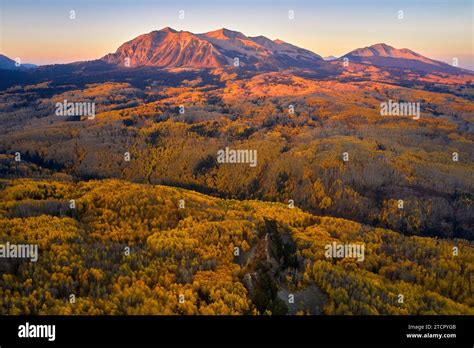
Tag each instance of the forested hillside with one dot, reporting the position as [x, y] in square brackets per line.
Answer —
[300, 127]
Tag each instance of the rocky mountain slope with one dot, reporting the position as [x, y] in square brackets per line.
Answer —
[168, 48]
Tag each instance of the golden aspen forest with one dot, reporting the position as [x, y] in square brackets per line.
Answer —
[190, 252]
[223, 174]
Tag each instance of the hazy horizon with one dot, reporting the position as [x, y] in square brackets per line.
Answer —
[100, 27]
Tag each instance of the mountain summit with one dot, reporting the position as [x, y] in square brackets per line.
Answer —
[168, 48]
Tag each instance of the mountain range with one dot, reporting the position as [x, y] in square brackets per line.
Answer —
[168, 48]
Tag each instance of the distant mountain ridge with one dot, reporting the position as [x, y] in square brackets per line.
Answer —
[383, 55]
[9, 64]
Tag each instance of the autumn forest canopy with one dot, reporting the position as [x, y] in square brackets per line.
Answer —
[267, 187]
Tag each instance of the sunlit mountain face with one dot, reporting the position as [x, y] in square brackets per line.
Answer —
[168, 48]
[220, 173]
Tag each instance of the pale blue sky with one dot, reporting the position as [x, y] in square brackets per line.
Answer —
[40, 31]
